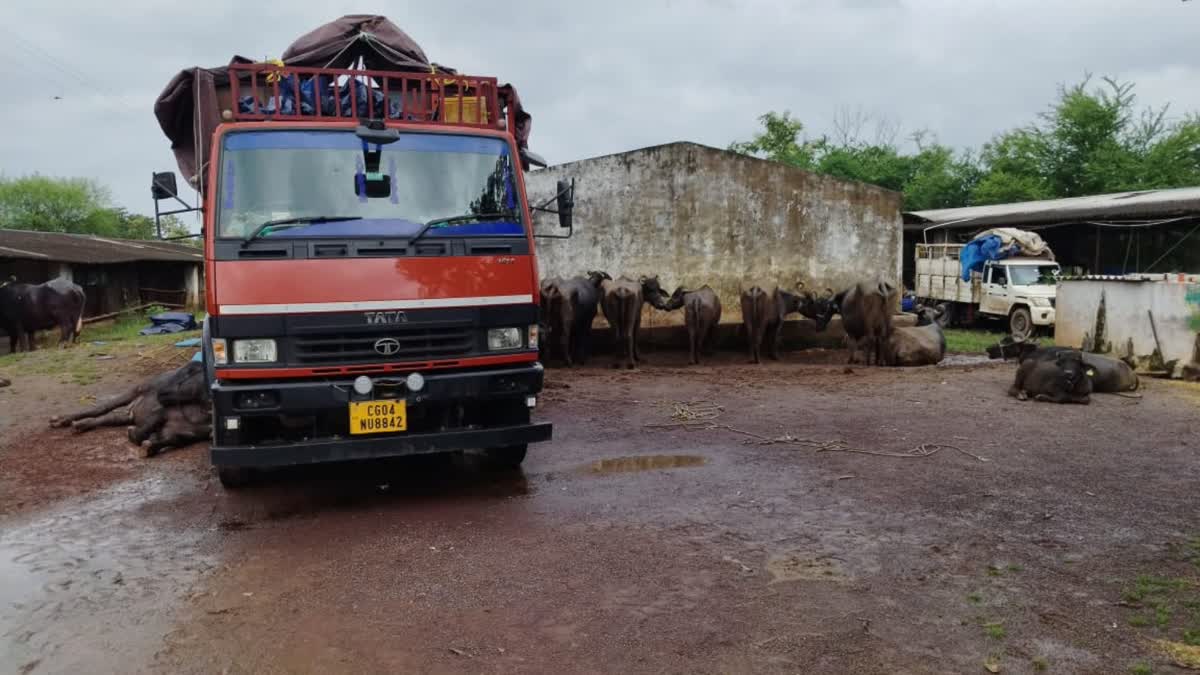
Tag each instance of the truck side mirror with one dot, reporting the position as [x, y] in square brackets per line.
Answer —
[162, 185]
[566, 203]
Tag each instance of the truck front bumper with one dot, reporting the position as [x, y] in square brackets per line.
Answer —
[1042, 316]
[484, 408]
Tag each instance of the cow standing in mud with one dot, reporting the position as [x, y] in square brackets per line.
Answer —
[866, 310]
[28, 308]
[171, 409]
[763, 315]
[702, 314]
[569, 308]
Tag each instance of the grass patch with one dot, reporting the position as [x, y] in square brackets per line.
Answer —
[975, 598]
[995, 630]
[1141, 668]
[1169, 606]
[85, 363]
[1040, 664]
[973, 341]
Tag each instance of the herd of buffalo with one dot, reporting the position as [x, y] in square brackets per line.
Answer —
[172, 409]
[570, 305]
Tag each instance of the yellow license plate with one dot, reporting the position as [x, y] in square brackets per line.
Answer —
[378, 417]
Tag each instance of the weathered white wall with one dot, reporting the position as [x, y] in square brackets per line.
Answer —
[697, 215]
[1176, 308]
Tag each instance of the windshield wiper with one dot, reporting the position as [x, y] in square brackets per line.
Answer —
[294, 222]
[461, 219]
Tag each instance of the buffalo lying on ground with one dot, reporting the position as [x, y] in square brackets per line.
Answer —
[702, 315]
[1056, 377]
[569, 307]
[866, 310]
[763, 315]
[168, 410]
[1108, 375]
[28, 308]
[920, 345]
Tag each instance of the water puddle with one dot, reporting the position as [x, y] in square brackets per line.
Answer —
[91, 574]
[644, 463]
[797, 567]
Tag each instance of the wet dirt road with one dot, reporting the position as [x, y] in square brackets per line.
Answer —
[627, 546]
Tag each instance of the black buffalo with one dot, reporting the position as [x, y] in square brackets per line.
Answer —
[1058, 376]
[28, 308]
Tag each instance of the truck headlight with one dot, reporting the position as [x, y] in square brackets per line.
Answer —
[533, 336]
[504, 338]
[220, 356]
[1040, 302]
[254, 351]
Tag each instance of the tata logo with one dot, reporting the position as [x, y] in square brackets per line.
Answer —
[387, 346]
[384, 318]
[506, 260]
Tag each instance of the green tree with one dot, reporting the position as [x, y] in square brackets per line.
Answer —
[55, 205]
[781, 141]
[73, 205]
[1093, 139]
[933, 177]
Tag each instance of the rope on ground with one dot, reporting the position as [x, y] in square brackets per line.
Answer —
[698, 416]
[692, 415]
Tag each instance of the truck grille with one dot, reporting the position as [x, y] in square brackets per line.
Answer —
[413, 344]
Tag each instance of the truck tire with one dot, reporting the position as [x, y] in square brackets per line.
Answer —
[1020, 323]
[505, 412]
[234, 477]
[509, 458]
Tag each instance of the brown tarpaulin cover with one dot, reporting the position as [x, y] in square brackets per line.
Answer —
[188, 108]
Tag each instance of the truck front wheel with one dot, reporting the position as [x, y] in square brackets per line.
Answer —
[234, 477]
[508, 458]
[1020, 323]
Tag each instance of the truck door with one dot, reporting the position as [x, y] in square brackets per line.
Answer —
[995, 290]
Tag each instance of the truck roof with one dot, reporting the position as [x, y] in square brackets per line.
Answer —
[1026, 261]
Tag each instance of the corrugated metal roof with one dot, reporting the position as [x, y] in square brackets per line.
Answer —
[89, 249]
[1146, 205]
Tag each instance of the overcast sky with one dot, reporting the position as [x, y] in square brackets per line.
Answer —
[598, 77]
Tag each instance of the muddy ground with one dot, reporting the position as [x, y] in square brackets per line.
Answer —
[755, 540]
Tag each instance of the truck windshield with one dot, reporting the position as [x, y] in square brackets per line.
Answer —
[291, 175]
[1032, 275]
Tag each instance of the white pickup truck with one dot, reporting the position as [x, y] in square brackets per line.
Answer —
[1019, 290]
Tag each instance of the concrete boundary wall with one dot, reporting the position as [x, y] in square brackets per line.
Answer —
[697, 215]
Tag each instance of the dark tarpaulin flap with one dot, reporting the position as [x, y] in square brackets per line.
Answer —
[189, 108]
[188, 112]
[341, 43]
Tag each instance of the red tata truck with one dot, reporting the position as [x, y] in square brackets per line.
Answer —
[370, 276]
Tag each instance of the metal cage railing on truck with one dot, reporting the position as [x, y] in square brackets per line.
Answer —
[267, 91]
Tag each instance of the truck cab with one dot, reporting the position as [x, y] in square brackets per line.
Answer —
[371, 281]
[1021, 290]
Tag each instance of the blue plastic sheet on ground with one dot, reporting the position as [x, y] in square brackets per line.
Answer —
[198, 356]
[170, 322]
[190, 342]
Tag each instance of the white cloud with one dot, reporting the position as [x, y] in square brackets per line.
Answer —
[598, 77]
